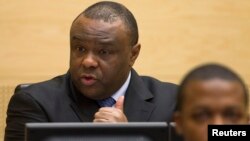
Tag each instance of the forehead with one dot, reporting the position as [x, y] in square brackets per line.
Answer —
[83, 26]
[213, 92]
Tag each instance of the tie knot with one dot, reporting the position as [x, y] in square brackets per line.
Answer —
[108, 102]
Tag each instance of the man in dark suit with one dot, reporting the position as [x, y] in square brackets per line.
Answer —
[103, 48]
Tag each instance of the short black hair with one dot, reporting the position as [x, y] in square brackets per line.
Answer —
[111, 11]
[206, 72]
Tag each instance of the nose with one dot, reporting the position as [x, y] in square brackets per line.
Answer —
[89, 61]
[218, 120]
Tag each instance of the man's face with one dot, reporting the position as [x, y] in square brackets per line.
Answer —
[101, 56]
[214, 101]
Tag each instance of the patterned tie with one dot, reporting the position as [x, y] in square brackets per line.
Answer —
[108, 102]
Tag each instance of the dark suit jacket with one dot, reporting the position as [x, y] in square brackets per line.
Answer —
[146, 99]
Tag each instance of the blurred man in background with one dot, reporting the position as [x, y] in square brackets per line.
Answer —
[210, 94]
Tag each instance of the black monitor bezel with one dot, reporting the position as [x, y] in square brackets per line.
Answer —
[155, 131]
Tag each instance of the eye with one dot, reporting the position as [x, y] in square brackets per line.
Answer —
[80, 49]
[201, 116]
[104, 52]
[232, 115]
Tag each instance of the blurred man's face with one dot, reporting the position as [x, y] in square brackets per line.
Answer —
[101, 56]
[213, 101]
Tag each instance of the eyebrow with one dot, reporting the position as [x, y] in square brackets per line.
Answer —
[197, 108]
[102, 42]
[76, 37]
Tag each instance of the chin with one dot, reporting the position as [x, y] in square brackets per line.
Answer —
[91, 95]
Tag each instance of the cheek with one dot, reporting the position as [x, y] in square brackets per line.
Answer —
[113, 66]
[75, 62]
[195, 132]
[107, 69]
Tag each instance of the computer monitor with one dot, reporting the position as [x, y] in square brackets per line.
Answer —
[132, 131]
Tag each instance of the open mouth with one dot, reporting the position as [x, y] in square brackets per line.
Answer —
[88, 80]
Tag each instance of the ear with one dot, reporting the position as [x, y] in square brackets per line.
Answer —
[134, 53]
[178, 122]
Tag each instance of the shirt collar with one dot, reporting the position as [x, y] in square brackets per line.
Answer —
[122, 90]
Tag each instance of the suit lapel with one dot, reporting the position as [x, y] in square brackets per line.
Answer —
[83, 107]
[137, 107]
[85, 111]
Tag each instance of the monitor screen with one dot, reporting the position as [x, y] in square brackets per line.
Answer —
[132, 131]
